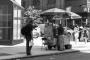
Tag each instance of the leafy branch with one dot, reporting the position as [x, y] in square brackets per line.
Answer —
[32, 13]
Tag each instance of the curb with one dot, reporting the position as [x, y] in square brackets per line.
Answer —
[48, 54]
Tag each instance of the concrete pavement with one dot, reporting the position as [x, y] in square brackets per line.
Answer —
[18, 51]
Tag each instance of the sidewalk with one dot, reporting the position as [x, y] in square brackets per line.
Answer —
[18, 51]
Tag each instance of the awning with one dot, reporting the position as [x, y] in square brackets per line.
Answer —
[15, 3]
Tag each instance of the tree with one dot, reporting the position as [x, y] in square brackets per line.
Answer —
[32, 13]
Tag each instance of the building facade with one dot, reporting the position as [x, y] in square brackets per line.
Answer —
[10, 18]
[43, 4]
[81, 7]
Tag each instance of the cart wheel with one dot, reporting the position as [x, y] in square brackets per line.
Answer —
[68, 46]
[54, 46]
[49, 47]
[58, 47]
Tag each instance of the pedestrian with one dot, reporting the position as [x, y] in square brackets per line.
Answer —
[85, 36]
[76, 30]
[26, 31]
[88, 29]
[80, 32]
[60, 40]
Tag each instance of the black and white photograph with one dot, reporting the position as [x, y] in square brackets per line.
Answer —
[44, 29]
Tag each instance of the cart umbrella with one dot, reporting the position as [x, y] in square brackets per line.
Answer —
[53, 11]
[73, 15]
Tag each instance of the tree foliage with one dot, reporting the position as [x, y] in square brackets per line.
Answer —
[32, 13]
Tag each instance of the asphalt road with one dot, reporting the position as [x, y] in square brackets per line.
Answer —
[68, 56]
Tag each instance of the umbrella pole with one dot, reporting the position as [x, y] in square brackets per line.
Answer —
[66, 22]
[86, 21]
[60, 21]
[73, 22]
[81, 22]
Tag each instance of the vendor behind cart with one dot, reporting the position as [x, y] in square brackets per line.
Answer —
[48, 34]
[60, 41]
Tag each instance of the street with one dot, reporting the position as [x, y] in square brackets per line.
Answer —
[67, 56]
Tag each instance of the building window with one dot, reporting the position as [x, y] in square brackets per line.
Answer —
[51, 2]
[4, 23]
[36, 3]
[16, 23]
[23, 3]
[88, 0]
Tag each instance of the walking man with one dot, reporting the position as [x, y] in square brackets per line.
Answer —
[26, 31]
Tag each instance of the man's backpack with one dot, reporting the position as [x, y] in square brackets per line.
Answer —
[23, 31]
[26, 30]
